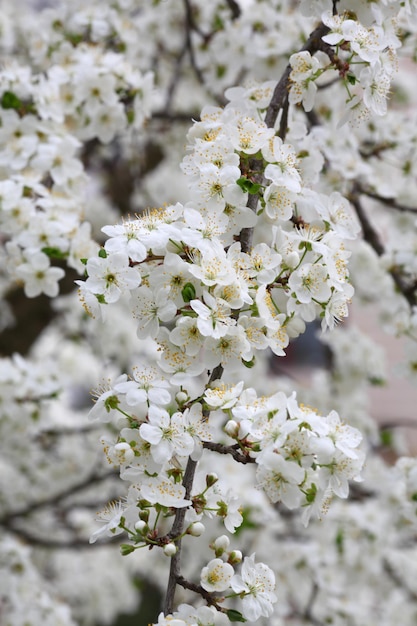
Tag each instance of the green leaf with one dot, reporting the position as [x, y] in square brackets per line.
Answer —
[242, 182]
[54, 253]
[378, 382]
[9, 100]
[102, 253]
[220, 71]
[249, 364]
[218, 23]
[126, 548]
[340, 538]
[112, 402]
[311, 493]
[248, 523]
[247, 185]
[351, 79]
[235, 616]
[188, 292]
[386, 438]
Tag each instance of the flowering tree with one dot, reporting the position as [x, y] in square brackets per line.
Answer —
[295, 192]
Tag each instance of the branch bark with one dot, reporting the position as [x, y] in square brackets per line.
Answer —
[372, 237]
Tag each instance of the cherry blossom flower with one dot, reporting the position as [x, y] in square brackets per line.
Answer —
[150, 308]
[280, 479]
[166, 434]
[160, 489]
[147, 386]
[38, 276]
[111, 517]
[111, 276]
[282, 166]
[216, 575]
[304, 71]
[213, 317]
[255, 585]
[310, 282]
[124, 239]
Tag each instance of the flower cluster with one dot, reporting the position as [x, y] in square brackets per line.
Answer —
[209, 299]
[258, 238]
[84, 91]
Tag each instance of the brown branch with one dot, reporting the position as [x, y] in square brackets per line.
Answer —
[401, 422]
[177, 529]
[279, 101]
[389, 202]
[234, 8]
[175, 117]
[233, 451]
[175, 79]
[372, 237]
[313, 44]
[396, 578]
[178, 525]
[246, 234]
[56, 498]
[50, 543]
[208, 597]
[369, 233]
[190, 26]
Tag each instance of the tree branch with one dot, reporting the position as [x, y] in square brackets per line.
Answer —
[56, 498]
[313, 44]
[234, 8]
[190, 26]
[208, 597]
[371, 236]
[51, 543]
[279, 101]
[234, 452]
[389, 202]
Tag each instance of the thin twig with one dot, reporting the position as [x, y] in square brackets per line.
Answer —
[56, 498]
[51, 543]
[177, 529]
[313, 44]
[234, 8]
[208, 597]
[178, 525]
[234, 452]
[401, 422]
[371, 236]
[279, 101]
[389, 202]
[176, 75]
[191, 26]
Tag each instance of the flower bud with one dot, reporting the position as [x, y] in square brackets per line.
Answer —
[232, 429]
[126, 548]
[292, 259]
[144, 515]
[170, 549]
[196, 529]
[221, 544]
[235, 557]
[211, 479]
[141, 526]
[182, 397]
